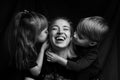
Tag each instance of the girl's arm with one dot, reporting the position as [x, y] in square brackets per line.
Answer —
[29, 78]
[37, 69]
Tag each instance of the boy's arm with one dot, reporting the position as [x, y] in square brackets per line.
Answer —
[83, 62]
[52, 57]
[78, 65]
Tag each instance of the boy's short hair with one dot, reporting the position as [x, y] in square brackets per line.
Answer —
[94, 28]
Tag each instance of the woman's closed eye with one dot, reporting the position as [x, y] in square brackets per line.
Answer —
[66, 29]
[54, 28]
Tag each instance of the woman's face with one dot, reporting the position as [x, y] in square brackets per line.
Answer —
[42, 36]
[60, 33]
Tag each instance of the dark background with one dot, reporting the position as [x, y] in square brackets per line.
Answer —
[74, 10]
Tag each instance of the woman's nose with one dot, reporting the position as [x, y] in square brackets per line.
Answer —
[59, 33]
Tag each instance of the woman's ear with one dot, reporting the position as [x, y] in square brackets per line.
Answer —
[93, 43]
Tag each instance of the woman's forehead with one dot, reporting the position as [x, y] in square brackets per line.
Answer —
[61, 21]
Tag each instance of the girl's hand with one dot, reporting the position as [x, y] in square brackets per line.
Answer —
[45, 45]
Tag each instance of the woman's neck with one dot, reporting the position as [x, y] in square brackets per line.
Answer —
[61, 52]
[64, 53]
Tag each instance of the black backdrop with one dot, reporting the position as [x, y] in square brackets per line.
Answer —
[74, 10]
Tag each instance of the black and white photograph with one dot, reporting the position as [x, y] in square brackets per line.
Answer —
[59, 39]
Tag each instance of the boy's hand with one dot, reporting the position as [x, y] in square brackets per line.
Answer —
[52, 57]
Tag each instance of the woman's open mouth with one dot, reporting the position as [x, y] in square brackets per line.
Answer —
[60, 38]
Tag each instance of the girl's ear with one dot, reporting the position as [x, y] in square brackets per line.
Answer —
[93, 43]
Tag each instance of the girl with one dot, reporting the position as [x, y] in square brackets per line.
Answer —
[29, 28]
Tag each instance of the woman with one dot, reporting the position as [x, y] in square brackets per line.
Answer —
[60, 36]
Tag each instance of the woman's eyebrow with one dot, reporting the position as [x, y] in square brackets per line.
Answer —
[66, 26]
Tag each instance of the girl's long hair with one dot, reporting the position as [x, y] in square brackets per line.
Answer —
[25, 27]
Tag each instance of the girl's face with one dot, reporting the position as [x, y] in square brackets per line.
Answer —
[60, 33]
[42, 36]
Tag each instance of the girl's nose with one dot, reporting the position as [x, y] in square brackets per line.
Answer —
[75, 35]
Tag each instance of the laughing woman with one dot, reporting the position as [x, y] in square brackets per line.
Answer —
[60, 36]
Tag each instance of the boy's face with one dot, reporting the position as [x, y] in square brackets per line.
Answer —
[82, 40]
[43, 35]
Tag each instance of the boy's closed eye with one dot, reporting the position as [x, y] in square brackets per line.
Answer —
[81, 36]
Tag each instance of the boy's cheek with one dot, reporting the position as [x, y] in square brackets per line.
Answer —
[75, 40]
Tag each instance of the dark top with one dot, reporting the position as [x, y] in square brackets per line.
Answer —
[55, 71]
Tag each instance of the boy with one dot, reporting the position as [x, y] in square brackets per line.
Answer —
[90, 32]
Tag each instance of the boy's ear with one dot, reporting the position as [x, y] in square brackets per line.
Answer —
[93, 43]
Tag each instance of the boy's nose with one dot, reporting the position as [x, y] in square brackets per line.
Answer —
[75, 35]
